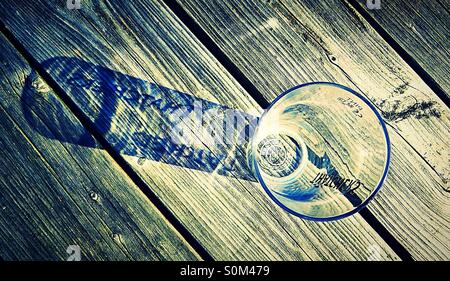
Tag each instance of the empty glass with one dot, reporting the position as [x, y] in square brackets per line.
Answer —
[321, 151]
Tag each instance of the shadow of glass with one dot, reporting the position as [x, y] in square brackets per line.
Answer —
[143, 119]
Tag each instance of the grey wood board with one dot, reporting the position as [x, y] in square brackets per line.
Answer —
[421, 28]
[55, 194]
[231, 218]
[280, 44]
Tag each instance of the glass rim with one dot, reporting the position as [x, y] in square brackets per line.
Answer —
[385, 170]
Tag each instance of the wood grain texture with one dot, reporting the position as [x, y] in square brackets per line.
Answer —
[292, 42]
[56, 194]
[231, 218]
[421, 28]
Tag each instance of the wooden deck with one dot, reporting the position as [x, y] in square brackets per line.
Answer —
[74, 170]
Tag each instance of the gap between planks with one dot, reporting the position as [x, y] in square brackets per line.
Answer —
[369, 229]
[90, 127]
[215, 50]
[437, 89]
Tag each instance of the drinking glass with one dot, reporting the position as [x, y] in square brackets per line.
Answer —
[321, 151]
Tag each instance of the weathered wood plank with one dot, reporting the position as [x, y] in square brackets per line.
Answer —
[421, 28]
[232, 218]
[293, 42]
[56, 194]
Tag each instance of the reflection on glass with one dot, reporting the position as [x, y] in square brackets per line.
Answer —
[321, 151]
